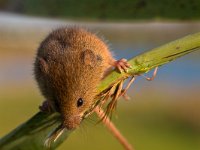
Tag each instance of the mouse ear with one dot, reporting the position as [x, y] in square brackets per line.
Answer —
[88, 57]
[42, 64]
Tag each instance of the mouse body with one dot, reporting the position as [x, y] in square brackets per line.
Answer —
[69, 65]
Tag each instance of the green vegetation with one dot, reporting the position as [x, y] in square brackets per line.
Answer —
[108, 9]
[32, 134]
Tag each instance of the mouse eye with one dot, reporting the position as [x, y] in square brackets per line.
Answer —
[79, 102]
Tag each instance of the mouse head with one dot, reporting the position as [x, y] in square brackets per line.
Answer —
[72, 88]
[68, 76]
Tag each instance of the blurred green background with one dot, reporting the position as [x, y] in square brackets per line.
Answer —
[107, 9]
[162, 114]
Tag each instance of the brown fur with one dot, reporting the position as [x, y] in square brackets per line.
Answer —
[69, 65]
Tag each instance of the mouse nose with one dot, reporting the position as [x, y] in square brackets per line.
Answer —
[72, 122]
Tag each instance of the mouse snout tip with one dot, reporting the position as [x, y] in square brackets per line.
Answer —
[72, 122]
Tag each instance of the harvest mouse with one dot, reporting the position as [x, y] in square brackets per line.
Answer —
[69, 65]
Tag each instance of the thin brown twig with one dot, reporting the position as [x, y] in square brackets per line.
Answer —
[116, 133]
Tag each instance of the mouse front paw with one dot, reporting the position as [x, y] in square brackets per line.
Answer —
[47, 107]
[121, 65]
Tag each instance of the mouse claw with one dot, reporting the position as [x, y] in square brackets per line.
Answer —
[46, 107]
[122, 65]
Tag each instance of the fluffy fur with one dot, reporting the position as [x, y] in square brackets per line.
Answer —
[69, 65]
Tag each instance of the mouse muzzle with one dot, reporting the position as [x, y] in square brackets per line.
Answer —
[72, 122]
